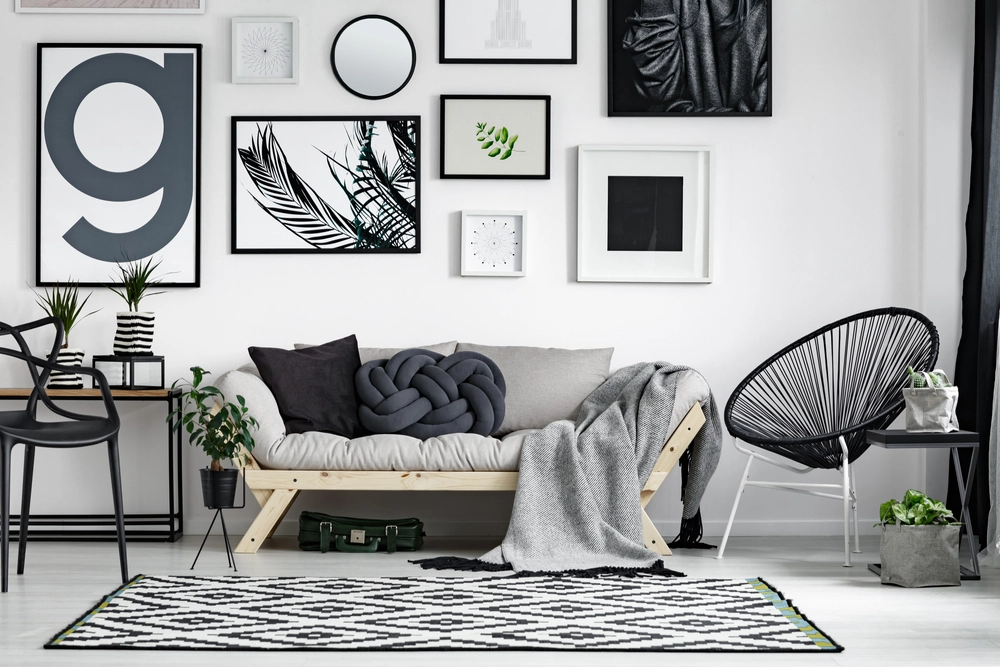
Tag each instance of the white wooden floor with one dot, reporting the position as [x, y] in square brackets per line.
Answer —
[879, 625]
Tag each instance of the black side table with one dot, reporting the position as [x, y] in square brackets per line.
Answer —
[901, 439]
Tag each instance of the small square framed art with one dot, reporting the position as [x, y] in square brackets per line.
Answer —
[265, 50]
[496, 136]
[644, 214]
[493, 243]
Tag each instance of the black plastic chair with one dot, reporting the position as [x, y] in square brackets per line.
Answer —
[813, 401]
[21, 426]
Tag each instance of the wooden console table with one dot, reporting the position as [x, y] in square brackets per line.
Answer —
[138, 527]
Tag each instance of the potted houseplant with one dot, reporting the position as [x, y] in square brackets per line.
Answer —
[63, 302]
[222, 429]
[134, 334]
[919, 542]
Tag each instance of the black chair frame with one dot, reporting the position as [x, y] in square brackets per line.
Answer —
[22, 427]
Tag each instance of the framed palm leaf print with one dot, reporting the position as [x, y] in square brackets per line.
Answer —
[318, 184]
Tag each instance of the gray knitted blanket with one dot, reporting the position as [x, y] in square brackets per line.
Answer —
[577, 502]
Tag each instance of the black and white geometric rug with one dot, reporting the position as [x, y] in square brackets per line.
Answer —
[539, 613]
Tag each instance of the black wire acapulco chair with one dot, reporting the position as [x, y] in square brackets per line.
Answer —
[21, 426]
[813, 401]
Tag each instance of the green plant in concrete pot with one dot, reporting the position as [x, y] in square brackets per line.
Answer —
[220, 428]
[63, 302]
[919, 542]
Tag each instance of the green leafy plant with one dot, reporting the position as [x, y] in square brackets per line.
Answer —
[222, 429]
[497, 140]
[136, 280]
[63, 301]
[916, 510]
[918, 381]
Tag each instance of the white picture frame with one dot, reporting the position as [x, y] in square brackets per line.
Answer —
[108, 7]
[493, 243]
[660, 230]
[265, 49]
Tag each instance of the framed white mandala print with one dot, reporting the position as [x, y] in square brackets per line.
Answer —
[493, 243]
[265, 50]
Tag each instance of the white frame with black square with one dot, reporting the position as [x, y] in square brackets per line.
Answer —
[595, 263]
[237, 76]
[520, 225]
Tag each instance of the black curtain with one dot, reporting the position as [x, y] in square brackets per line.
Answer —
[974, 368]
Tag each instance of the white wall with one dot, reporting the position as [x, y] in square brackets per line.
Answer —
[819, 212]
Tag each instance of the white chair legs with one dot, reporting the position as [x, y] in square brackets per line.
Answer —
[736, 504]
[847, 494]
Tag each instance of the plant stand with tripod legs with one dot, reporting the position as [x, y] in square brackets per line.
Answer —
[230, 555]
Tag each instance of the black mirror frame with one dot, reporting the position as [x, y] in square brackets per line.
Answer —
[413, 60]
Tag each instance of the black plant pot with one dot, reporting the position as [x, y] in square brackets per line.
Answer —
[218, 487]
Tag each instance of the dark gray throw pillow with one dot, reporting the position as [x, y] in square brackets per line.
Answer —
[424, 394]
[314, 387]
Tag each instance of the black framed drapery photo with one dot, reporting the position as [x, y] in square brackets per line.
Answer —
[689, 57]
[118, 161]
[318, 184]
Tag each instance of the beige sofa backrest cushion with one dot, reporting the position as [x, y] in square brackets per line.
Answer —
[545, 384]
[371, 353]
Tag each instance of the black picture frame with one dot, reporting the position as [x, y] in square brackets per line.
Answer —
[615, 69]
[39, 195]
[234, 222]
[474, 176]
[333, 56]
[442, 59]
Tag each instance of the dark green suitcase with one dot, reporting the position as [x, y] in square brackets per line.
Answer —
[322, 532]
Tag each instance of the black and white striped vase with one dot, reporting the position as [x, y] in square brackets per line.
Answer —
[134, 337]
[68, 356]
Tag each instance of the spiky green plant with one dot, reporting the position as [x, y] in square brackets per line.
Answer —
[136, 280]
[63, 302]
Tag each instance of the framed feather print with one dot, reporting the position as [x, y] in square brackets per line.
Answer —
[326, 184]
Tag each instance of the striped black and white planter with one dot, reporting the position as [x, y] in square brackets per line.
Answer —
[134, 336]
[68, 356]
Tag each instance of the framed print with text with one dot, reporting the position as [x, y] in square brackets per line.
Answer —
[118, 161]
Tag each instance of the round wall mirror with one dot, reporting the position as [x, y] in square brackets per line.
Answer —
[373, 57]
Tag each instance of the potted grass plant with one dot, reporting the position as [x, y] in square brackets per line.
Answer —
[220, 428]
[63, 302]
[134, 333]
[919, 542]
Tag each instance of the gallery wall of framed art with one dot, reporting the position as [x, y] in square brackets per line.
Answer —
[118, 143]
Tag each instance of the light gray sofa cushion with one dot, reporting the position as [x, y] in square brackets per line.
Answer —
[371, 353]
[545, 384]
[454, 452]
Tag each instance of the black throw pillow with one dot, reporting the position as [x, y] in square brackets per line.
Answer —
[314, 387]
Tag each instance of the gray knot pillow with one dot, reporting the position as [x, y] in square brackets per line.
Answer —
[424, 394]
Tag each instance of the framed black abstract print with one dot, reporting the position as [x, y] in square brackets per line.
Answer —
[644, 214]
[689, 58]
[319, 184]
[507, 32]
[118, 161]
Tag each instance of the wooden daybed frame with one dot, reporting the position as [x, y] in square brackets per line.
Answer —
[276, 490]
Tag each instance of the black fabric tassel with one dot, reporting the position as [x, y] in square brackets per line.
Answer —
[692, 529]
[476, 565]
